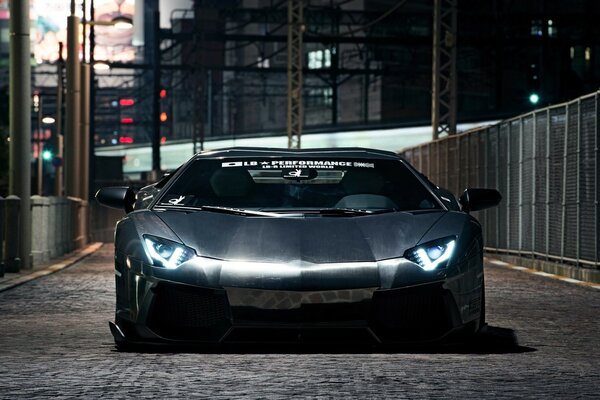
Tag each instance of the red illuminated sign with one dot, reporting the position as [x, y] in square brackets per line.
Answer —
[125, 140]
[127, 120]
[126, 102]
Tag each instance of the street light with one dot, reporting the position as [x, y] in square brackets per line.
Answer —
[534, 98]
[101, 65]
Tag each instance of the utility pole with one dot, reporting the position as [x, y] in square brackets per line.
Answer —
[84, 143]
[38, 108]
[295, 50]
[84, 116]
[20, 123]
[58, 138]
[443, 99]
[72, 140]
[156, 97]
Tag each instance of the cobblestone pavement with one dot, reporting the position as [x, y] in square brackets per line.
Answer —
[55, 342]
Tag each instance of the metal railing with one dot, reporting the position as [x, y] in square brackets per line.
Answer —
[545, 164]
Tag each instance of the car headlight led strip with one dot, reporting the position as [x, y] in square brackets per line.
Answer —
[167, 253]
[432, 255]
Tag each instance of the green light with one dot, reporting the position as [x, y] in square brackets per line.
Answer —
[534, 98]
[47, 155]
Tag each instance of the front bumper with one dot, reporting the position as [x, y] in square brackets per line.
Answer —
[213, 301]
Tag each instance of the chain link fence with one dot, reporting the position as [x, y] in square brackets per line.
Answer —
[545, 164]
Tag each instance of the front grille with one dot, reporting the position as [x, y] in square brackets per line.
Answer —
[415, 313]
[188, 313]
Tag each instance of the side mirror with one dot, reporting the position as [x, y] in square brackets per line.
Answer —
[121, 197]
[479, 199]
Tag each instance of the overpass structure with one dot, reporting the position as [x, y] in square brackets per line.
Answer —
[138, 159]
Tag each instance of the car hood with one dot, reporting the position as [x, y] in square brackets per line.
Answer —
[310, 239]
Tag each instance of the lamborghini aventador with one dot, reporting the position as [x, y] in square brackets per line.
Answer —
[247, 245]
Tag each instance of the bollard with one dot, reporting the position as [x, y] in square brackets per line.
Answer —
[1, 236]
[13, 211]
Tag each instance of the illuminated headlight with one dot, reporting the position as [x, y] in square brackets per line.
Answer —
[432, 255]
[166, 253]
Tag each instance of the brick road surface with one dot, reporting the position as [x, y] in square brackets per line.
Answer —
[55, 342]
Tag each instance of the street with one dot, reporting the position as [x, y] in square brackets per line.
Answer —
[55, 342]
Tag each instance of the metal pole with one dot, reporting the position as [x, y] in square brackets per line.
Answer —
[435, 72]
[20, 122]
[156, 97]
[443, 99]
[578, 238]
[40, 160]
[72, 145]
[508, 194]
[58, 179]
[564, 185]
[534, 186]
[294, 72]
[547, 151]
[209, 116]
[520, 226]
[84, 129]
[92, 106]
[497, 178]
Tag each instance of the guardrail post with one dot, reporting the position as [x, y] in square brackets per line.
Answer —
[533, 184]
[578, 210]
[521, 155]
[13, 213]
[508, 202]
[564, 187]
[547, 184]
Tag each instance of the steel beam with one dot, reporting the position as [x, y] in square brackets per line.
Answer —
[443, 101]
[295, 51]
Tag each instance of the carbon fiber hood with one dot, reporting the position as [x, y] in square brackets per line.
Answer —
[311, 239]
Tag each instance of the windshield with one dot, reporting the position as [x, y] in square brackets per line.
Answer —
[295, 184]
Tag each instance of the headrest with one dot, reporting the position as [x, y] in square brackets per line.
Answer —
[231, 182]
[362, 181]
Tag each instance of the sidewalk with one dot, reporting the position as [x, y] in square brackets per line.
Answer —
[10, 279]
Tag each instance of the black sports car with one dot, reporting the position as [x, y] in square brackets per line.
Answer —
[250, 244]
